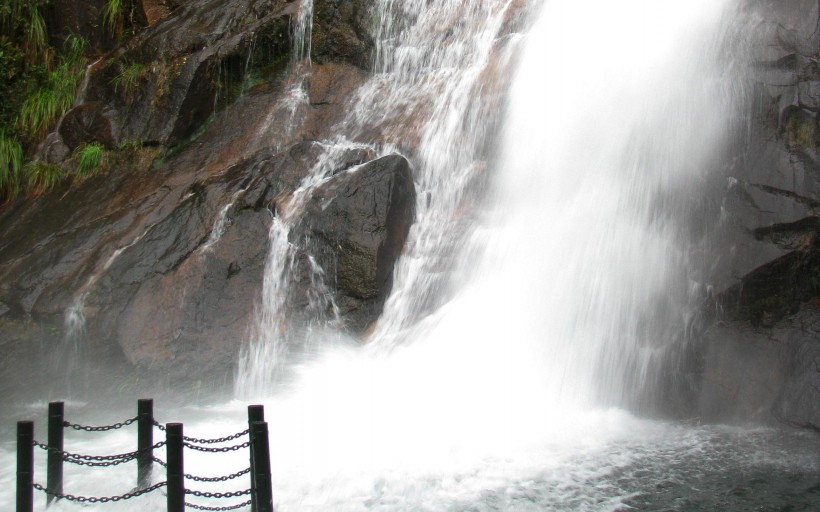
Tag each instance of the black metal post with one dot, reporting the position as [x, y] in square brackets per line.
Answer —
[255, 413]
[145, 440]
[25, 466]
[261, 473]
[54, 471]
[175, 473]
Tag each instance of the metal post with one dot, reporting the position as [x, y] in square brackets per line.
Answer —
[255, 413]
[175, 473]
[25, 466]
[261, 473]
[145, 440]
[54, 471]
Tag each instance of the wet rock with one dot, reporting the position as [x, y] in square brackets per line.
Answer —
[89, 122]
[340, 32]
[157, 10]
[332, 83]
[187, 66]
[778, 288]
[53, 150]
[83, 17]
[193, 318]
[753, 360]
[355, 227]
[809, 95]
[764, 374]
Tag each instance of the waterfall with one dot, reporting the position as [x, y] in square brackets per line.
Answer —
[615, 115]
[548, 260]
[435, 95]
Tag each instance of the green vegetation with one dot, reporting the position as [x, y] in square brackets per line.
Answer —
[46, 104]
[90, 158]
[37, 86]
[114, 17]
[41, 177]
[119, 18]
[802, 131]
[128, 79]
[11, 165]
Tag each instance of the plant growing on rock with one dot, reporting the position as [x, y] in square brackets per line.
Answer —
[113, 17]
[46, 104]
[119, 15]
[11, 166]
[128, 79]
[89, 159]
[42, 177]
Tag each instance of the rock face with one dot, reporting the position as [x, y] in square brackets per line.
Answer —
[759, 354]
[163, 255]
[355, 226]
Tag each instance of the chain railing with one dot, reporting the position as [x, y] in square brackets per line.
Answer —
[175, 443]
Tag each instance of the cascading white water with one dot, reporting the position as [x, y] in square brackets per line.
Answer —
[616, 112]
[578, 243]
[518, 309]
[435, 95]
[490, 377]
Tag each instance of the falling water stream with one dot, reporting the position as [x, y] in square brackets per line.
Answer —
[553, 146]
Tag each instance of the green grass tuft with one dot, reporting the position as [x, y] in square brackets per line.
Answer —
[46, 105]
[90, 158]
[42, 177]
[128, 79]
[35, 35]
[113, 17]
[11, 166]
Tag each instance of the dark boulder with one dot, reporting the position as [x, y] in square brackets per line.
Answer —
[89, 122]
[355, 227]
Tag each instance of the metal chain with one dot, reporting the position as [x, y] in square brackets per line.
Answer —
[103, 499]
[232, 507]
[217, 440]
[218, 478]
[80, 462]
[215, 450]
[207, 441]
[234, 494]
[95, 460]
[87, 428]
[205, 478]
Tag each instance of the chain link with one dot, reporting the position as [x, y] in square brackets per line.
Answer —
[206, 478]
[86, 428]
[218, 478]
[217, 450]
[102, 499]
[217, 440]
[203, 507]
[234, 494]
[95, 460]
[106, 464]
[207, 441]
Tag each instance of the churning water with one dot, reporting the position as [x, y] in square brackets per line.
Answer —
[553, 146]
